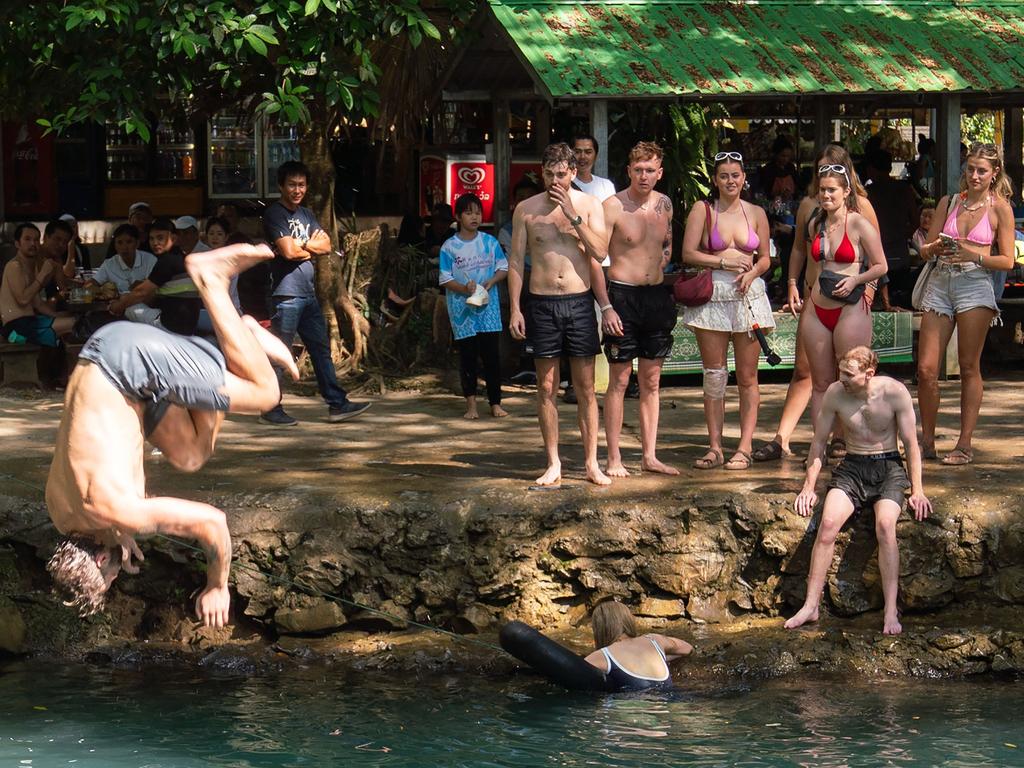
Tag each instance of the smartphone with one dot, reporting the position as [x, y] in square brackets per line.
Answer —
[949, 242]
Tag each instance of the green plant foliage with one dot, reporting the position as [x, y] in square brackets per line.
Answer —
[113, 59]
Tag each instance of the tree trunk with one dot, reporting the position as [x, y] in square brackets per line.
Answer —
[345, 325]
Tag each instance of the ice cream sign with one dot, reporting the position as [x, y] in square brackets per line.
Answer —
[476, 178]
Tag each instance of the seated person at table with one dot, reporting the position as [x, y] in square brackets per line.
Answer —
[632, 663]
[168, 297]
[23, 312]
[57, 237]
[128, 267]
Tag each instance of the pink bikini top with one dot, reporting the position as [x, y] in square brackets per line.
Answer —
[716, 244]
[982, 232]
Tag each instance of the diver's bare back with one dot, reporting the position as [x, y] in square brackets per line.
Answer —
[559, 263]
[99, 452]
[871, 425]
[637, 240]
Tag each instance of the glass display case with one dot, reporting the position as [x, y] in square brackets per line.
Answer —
[126, 155]
[232, 160]
[244, 155]
[175, 153]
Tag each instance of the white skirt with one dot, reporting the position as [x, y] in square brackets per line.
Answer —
[728, 310]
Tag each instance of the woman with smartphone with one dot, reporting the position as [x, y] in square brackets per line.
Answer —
[971, 235]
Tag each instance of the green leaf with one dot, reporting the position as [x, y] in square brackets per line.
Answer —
[264, 33]
[43, 122]
[256, 44]
[311, 6]
[429, 29]
[415, 38]
[346, 97]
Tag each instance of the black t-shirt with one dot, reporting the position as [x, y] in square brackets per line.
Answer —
[177, 297]
[290, 277]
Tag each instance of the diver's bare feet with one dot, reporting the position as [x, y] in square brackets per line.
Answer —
[654, 465]
[498, 412]
[216, 268]
[276, 350]
[553, 475]
[471, 414]
[891, 624]
[615, 469]
[596, 476]
[803, 616]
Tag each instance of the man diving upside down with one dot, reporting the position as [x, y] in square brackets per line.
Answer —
[138, 382]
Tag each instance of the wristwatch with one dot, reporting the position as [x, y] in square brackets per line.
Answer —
[577, 221]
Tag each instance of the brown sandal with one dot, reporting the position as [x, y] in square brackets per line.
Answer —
[958, 457]
[739, 464]
[705, 463]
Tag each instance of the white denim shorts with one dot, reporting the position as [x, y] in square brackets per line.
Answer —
[951, 292]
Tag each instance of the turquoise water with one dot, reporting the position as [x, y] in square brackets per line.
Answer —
[55, 715]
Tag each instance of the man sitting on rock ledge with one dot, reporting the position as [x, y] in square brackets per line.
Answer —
[139, 382]
[872, 409]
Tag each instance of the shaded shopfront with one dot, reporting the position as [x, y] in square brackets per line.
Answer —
[808, 65]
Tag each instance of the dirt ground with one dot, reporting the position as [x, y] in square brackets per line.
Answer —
[415, 444]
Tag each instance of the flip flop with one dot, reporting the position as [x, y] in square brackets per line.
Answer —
[738, 464]
[770, 451]
[706, 463]
[958, 457]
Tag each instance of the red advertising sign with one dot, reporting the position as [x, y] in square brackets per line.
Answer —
[29, 187]
[476, 178]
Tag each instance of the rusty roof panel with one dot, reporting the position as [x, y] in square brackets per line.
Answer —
[736, 47]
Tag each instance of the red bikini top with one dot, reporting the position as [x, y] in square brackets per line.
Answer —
[845, 253]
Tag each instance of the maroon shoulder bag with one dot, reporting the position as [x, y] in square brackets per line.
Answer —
[696, 290]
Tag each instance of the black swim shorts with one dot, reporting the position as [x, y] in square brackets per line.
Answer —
[154, 367]
[867, 479]
[648, 314]
[561, 325]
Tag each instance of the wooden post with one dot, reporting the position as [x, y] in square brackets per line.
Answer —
[1013, 137]
[542, 127]
[947, 144]
[599, 128]
[502, 162]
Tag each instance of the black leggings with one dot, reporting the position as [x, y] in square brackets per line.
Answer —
[485, 346]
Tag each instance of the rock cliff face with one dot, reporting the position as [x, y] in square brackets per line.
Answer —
[718, 558]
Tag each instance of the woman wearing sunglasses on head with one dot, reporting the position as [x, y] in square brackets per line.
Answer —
[799, 393]
[971, 234]
[730, 237]
[839, 316]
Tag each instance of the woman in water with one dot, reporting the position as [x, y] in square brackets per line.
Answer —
[799, 393]
[730, 237]
[632, 663]
[959, 293]
[839, 317]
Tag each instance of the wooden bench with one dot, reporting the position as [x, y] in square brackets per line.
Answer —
[18, 362]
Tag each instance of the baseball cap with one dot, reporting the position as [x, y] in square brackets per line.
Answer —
[186, 222]
[138, 207]
[68, 218]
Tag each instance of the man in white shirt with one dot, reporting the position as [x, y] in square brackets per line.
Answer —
[188, 235]
[586, 150]
[129, 265]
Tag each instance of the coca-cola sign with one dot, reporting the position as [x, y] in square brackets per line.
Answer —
[29, 178]
[474, 178]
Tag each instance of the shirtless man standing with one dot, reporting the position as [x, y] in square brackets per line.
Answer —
[642, 315]
[138, 382]
[873, 410]
[565, 232]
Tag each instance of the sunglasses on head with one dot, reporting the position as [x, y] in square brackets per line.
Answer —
[729, 156]
[834, 169]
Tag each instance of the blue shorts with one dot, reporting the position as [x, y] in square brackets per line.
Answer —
[951, 292]
[37, 329]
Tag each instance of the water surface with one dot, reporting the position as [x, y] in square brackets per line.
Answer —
[93, 717]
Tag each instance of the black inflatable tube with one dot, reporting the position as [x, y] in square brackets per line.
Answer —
[556, 662]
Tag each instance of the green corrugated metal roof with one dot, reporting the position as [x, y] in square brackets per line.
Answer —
[773, 47]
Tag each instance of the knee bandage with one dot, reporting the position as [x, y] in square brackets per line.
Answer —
[715, 380]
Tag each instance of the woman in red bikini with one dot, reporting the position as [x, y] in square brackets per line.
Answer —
[840, 238]
[729, 236]
[798, 395]
[959, 292]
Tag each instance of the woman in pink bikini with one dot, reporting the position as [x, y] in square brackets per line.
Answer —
[730, 237]
[837, 316]
[959, 293]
